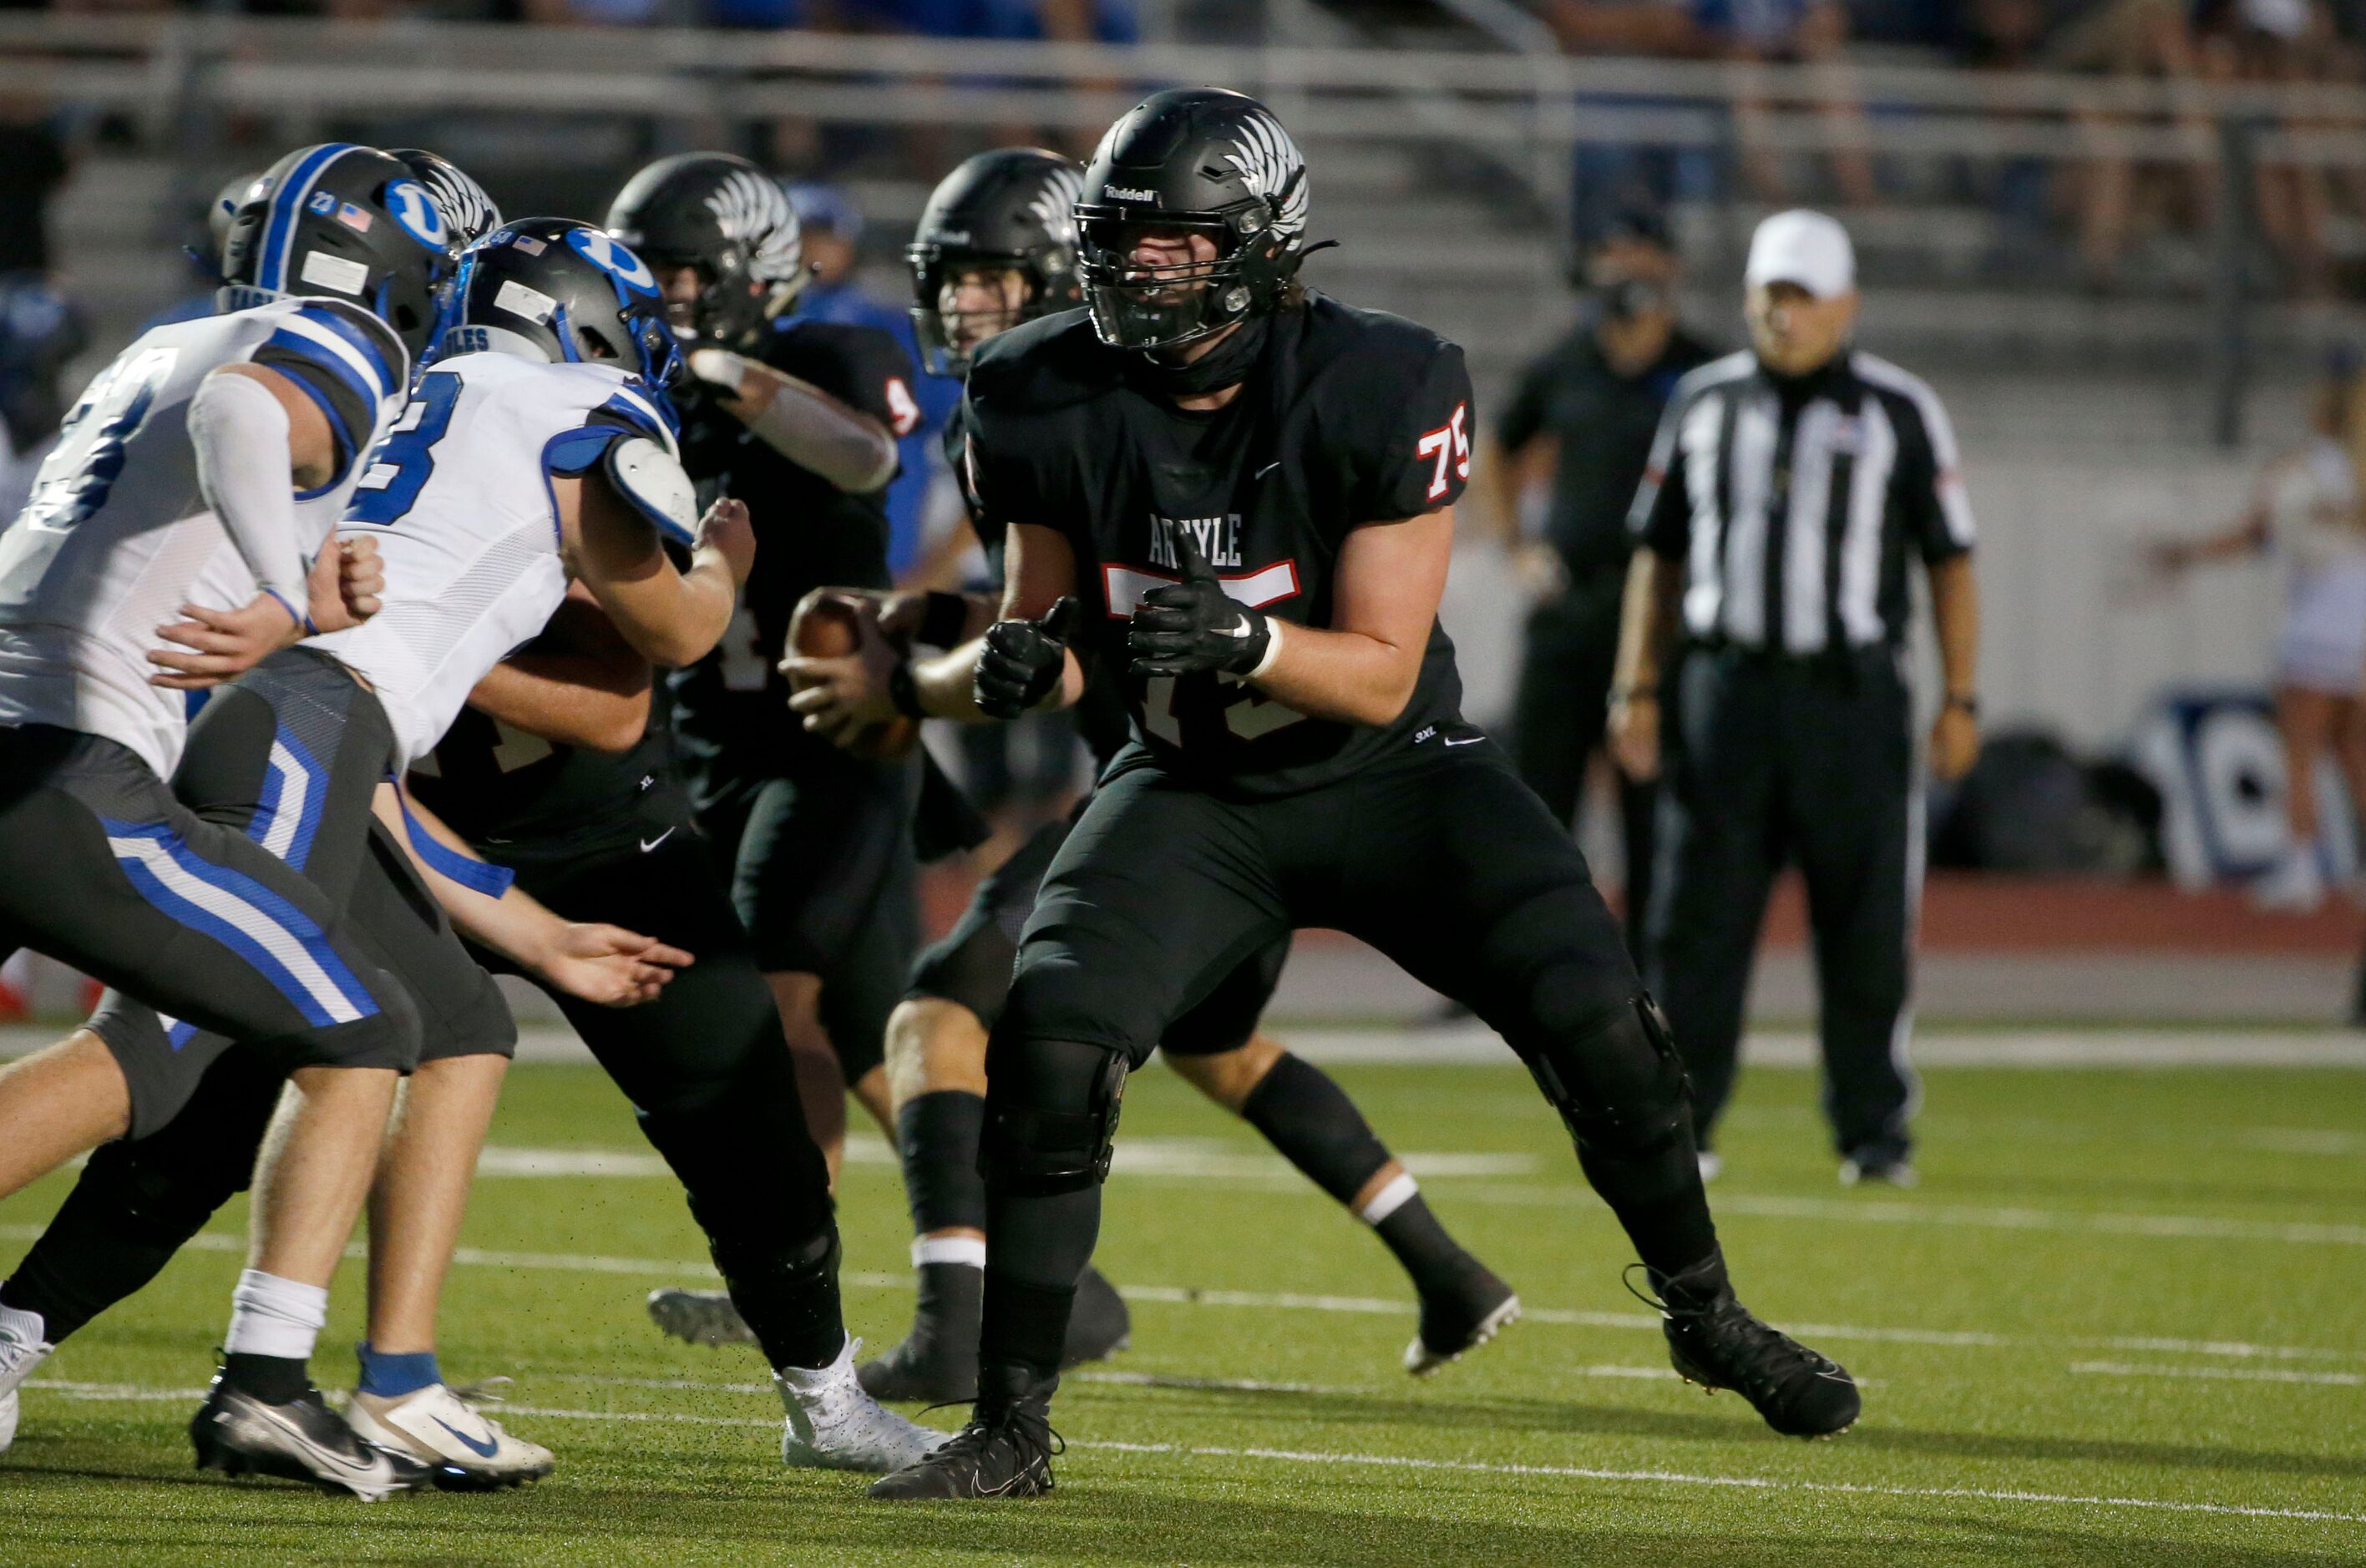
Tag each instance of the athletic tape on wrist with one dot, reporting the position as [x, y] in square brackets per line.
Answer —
[1272, 648]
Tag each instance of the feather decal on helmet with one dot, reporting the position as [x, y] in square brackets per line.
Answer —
[752, 209]
[1270, 165]
[1054, 206]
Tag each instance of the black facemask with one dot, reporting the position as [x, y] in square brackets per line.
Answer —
[1226, 364]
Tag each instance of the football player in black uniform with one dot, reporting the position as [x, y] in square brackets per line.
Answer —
[1243, 493]
[996, 247]
[800, 419]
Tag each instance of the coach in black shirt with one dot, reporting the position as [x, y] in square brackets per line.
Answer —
[1788, 490]
[1586, 411]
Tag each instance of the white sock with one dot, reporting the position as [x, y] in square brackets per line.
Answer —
[272, 1317]
[969, 1251]
[1388, 1200]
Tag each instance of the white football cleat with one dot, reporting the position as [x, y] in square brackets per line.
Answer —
[21, 1350]
[834, 1425]
[439, 1427]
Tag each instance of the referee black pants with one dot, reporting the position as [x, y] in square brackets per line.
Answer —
[1568, 657]
[1770, 760]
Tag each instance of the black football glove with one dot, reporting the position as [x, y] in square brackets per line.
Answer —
[1019, 661]
[1192, 626]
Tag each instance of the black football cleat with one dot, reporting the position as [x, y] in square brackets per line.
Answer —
[1004, 1451]
[1457, 1317]
[1716, 1342]
[303, 1440]
[1098, 1324]
[928, 1368]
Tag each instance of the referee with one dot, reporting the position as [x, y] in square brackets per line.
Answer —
[1788, 489]
[1585, 410]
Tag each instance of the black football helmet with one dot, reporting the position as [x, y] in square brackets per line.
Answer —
[1205, 161]
[468, 212]
[347, 222]
[561, 292]
[730, 219]
[1014, 209]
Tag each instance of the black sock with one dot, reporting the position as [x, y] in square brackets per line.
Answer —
[1040, 1244]
[1315, 1127]
[790, 1303]
[937, 1137]
[275, 1379]
[1659, 1199]
[1421, 1244]
[1025, 1327]
[949, 1302]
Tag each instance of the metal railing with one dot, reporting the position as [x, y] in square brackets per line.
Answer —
[178, 76]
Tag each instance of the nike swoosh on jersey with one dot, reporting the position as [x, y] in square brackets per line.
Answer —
[649, 843]
[482, 1449]
[1266, 469]
[1468, 740]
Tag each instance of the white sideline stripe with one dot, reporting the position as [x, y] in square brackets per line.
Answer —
[2175, 1228]
[2226, 1374]
[2104, 1047]
[1754, 1482]
[1182, 1296]
[1460, 1466]
[1197, 1158]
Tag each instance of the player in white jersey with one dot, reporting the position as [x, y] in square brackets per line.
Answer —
[243, 430]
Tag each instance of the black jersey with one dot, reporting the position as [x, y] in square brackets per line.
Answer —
[1351, 418]
[520, 798]
[1102, 714]
[732, 706]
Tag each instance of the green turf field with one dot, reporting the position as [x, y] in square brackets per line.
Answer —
[2120, 1322]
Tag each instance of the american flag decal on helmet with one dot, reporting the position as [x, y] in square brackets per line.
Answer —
[1270, 165]
[752, 210]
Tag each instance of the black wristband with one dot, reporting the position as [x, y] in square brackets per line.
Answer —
[943, 620]
[904, 693]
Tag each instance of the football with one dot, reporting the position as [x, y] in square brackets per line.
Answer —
[831, 623]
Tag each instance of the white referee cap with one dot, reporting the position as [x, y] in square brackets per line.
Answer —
[1803, 248]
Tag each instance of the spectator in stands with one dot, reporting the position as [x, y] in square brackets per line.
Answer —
[2132, 39]
[2277, 42]
[2309, 508]
[1807, 32]
[1811, 31]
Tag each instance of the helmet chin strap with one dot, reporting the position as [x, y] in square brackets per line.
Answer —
[1226, 364]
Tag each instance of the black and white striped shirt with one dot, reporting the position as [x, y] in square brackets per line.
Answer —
[1793, 503]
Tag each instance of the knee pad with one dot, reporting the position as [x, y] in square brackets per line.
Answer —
[1050, 1116]
[1618, 1084]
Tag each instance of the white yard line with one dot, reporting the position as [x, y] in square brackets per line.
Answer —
[1404, 1461]
[2224, 1374]
[2104, 1046]
[1291, 1301]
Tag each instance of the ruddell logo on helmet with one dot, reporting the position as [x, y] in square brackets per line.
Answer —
[1126, 192]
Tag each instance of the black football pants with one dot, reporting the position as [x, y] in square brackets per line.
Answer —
[1439, 857]
[1568, 658]
[1771, 760]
